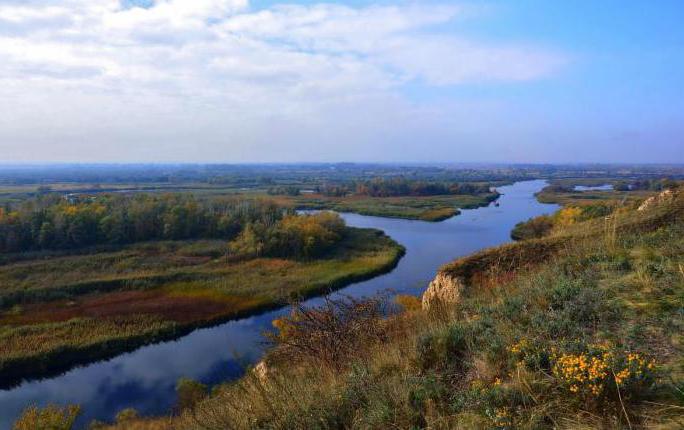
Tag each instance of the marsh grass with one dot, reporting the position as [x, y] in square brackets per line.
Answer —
[60, 325]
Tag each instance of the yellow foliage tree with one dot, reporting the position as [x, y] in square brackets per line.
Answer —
[568, 216]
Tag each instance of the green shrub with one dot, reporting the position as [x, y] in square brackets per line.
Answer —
[429, 389]
[444, 348]
[574, 309]
[621, 262]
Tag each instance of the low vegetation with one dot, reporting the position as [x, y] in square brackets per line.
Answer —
[580, 206]
[51, 417]
[424, 208]
[576, 330]
[545, 225]
[59, 311]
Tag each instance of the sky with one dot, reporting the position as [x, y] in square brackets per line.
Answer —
[524, 81]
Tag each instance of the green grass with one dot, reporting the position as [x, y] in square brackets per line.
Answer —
[77, 308]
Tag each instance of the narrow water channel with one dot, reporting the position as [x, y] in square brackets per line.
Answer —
[145, 378]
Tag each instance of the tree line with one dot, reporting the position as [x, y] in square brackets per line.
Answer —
[57, 222]
[399, 186]
[284, 190]
[646, 184]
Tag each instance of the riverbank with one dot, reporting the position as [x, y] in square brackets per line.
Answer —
[111, 316]
[575, 331]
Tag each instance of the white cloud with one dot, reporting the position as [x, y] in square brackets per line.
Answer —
[106, 72]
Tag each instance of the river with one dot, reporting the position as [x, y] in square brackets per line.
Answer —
[145, 378]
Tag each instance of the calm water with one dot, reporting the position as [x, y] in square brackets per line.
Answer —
[145, 379]
[604, 187]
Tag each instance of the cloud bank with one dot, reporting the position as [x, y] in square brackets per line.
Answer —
[216, 80]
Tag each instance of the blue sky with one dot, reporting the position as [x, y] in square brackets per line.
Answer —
[265, 80]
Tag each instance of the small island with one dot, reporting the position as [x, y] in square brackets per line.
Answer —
[395, 197]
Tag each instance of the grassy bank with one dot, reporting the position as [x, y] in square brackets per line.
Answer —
[77, 308]
[578, 206]
[426, 208]
[582, 329]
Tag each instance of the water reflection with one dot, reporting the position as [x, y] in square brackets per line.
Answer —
[604, 187]
[145, 379]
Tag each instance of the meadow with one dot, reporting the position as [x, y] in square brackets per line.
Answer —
[75, 308]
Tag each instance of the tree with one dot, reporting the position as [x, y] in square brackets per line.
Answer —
[249, 243]
[46, 237]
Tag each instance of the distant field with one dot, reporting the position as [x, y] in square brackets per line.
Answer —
[16, 193]
[74, 308]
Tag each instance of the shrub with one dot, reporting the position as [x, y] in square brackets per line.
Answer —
[408, 303]
[621, 262]
[442, 349]
[574, 308]
[331, 332]
[599, 373]
[534, 355]
[51, 417]
[125, 415]
[502, 405]
[190, 392]
[533, 228]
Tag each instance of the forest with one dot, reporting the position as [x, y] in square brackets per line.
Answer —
[257, 227]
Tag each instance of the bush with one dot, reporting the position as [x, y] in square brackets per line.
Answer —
[189, 393]
[408, 303]
[533, 228]
[51, 417]
[125, 415]
[598, 372]
[443, 349]
[331, 333]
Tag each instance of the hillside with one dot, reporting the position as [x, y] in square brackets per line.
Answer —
[582, 328]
